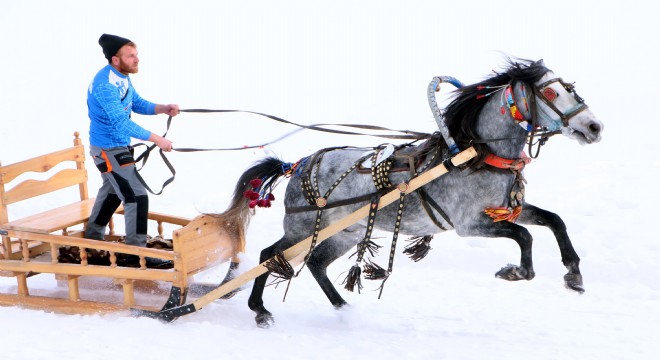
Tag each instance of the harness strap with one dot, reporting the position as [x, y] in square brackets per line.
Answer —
[334, 204]
[353, 277]
[428, 200]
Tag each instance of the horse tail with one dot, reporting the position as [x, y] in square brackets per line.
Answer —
[237, 216]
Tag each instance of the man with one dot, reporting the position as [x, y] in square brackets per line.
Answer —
[110, 100]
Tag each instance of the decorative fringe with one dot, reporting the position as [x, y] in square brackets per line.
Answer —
[373, 271]
[419, 247]
[280, 267]
[368, 245]
[353, 279]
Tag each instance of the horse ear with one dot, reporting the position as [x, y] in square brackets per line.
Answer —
[540, 63]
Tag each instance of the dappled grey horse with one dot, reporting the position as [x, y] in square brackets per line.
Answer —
[523, 105]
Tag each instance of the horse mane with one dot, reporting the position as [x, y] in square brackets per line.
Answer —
[463, 111]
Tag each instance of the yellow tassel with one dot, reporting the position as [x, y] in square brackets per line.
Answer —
[504, 214]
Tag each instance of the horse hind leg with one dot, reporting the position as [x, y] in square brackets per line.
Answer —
[263, 318]
[324, 255]
[535, 216]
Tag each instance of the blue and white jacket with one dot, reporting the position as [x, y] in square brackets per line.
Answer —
[110, 100]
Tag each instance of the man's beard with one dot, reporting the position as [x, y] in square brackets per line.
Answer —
[126, 69]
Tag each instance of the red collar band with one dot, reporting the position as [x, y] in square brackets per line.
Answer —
[512, 164]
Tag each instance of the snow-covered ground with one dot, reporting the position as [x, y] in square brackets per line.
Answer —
[358, 62]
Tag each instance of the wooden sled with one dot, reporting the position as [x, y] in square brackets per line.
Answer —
[30, 245]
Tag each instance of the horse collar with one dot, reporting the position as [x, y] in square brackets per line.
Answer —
[511, 164]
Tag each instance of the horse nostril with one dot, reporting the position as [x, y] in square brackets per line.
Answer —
[594, 128]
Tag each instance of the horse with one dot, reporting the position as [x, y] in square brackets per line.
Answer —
[524, 104]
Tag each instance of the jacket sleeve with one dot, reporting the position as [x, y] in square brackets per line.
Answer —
[142, 106]
[108, 97]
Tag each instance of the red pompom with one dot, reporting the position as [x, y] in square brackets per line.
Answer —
[261, 202]
[266, 203]
[250, 194]
[252, 204]
[256, 183]
[271, 197]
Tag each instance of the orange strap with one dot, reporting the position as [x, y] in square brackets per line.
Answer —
[104, 155]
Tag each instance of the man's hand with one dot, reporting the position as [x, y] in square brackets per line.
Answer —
[161, 142]
[169, 109]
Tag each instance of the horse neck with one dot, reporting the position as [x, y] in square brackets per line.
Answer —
[492, 124]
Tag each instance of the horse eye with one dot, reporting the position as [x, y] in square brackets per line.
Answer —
[550, 94]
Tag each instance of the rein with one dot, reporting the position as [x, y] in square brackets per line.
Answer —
[403, 135]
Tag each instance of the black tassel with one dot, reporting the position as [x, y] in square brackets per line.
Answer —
[368, 245]
[279, 267]
[353, 279]
[419, 247]
[373, 271]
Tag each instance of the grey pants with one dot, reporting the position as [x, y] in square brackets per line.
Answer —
[120, 184]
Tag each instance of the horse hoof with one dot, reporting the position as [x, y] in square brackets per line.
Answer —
[264, 320]
[574, 282]
[514, 273]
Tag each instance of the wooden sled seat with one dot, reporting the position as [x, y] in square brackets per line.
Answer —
[53, 220]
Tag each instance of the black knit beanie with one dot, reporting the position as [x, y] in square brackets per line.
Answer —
[111, 44]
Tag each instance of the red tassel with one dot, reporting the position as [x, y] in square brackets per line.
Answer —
[480, 96]
[252, 204]
[261, 202]
[256, 183]
[266, 203]
[271, 197]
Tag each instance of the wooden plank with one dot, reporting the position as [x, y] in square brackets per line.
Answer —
[55, 219]
[94, 244]
[65, 306]
[89, 270]
[295, 254]
[41, 163]
[170, 219]
[31, 188]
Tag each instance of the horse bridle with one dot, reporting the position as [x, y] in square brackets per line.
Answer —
[540, 92]
[547, 95]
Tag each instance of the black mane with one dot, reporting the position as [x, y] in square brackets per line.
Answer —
[462, 113]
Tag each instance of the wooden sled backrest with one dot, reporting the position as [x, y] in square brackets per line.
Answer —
[31, 188]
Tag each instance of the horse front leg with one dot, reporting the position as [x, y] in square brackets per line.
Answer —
[533, 215]
[521, 236]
